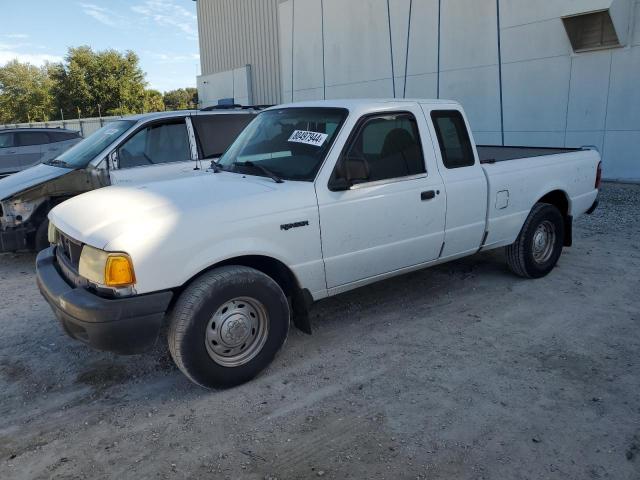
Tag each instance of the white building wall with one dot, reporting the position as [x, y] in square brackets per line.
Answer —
[234, 84]
[233, 34]
[551, 96]
[469, 71]
[357, 51]
[422, 65]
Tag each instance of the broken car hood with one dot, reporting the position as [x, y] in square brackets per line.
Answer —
[29, 178]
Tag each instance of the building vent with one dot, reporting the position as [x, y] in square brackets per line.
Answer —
[591, 31]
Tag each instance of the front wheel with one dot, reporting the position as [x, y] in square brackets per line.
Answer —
[227, 326]
[41, 237]
[539, 244]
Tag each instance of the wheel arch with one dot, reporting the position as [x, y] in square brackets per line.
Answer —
[559, 199]
[300, 298]
[41, 213]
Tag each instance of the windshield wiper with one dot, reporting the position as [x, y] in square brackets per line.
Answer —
[263, 169]
[56, 163]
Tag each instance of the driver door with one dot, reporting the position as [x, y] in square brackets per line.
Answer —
[157, 151]
[393, 218]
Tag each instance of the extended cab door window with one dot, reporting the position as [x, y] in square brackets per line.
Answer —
[388, 147]
[155, 144]
[465, 183]
[455, 145]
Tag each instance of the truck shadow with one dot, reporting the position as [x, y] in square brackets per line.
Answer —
[423, 288]
[105, 374]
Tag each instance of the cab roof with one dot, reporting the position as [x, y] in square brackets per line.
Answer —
[364, 103]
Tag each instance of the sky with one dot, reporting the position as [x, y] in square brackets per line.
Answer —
[164, 34]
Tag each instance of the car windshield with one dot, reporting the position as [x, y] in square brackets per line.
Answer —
[290, 143]
[82, 153]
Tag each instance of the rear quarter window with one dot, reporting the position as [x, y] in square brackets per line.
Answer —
[216, 132]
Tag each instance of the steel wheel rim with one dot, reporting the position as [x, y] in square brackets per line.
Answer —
[237, 331]
[544, 240]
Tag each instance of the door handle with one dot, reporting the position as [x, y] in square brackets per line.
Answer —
[428, 195]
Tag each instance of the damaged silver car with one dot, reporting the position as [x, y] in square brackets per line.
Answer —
[136, 149]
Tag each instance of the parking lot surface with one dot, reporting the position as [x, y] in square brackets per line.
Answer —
[459, 371]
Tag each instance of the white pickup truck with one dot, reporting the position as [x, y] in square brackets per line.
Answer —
[312, 199]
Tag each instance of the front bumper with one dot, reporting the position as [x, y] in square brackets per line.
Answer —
[122, 325]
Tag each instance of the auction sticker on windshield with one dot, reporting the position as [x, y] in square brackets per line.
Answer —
[310, 138]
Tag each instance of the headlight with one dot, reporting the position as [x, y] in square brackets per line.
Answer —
[106, 268]
[52, 234]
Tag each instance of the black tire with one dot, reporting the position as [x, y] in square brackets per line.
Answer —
[522, 257]
[41, 237]
[191, 317]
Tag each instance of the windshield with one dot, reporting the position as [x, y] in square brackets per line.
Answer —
[290, 143]
[82, 153]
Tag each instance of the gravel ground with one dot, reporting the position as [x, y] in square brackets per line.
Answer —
[460, 371]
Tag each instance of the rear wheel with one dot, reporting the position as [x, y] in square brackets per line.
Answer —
[539, 244]
[227, 326]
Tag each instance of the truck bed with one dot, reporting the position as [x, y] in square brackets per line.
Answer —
[497, 153]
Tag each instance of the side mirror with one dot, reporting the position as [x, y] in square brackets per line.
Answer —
[350, 170]
[356, 169]
[113, 160]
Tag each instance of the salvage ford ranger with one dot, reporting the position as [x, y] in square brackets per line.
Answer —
[311, 200]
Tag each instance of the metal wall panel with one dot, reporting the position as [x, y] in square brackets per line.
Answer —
[508, 61]
[235, 33]
[587, 103]
[536, 93]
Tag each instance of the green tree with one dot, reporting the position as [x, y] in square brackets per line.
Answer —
[181, 99]
[25, 93]
[153, 101]
[108, 78]
[86, 84]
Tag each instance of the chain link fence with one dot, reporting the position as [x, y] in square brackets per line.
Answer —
[86, 126]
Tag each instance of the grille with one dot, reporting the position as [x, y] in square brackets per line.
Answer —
[68, 260]
[68, 251]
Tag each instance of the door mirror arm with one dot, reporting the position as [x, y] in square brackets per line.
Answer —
[339, 184]
[349, 171]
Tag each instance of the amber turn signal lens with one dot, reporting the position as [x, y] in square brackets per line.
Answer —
[118, 271]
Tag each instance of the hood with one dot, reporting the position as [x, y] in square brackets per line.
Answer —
[119, 217]
[31, 177]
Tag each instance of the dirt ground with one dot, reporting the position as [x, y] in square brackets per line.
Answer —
[461, 371]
